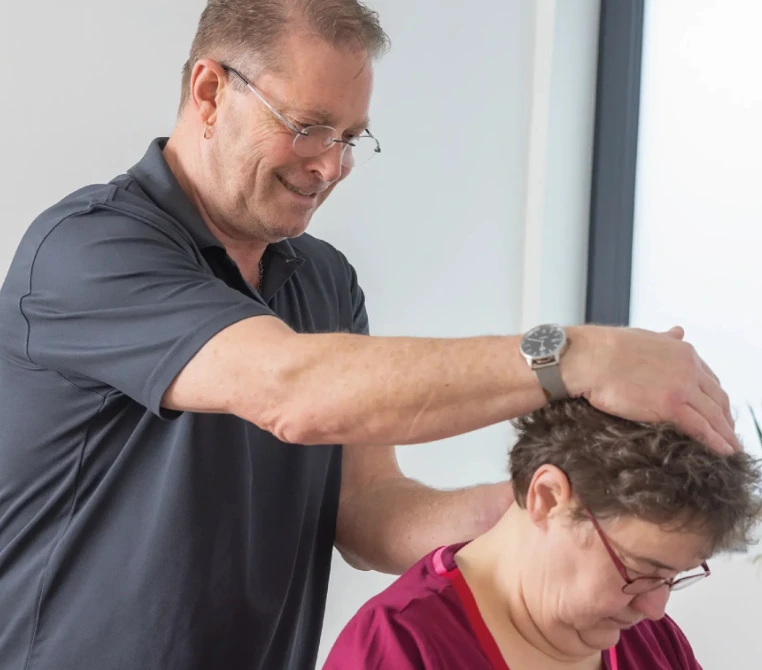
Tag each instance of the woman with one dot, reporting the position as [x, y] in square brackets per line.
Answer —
[611, 517]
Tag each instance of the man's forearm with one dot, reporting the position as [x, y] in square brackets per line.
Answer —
[349, 389]
[393, 523]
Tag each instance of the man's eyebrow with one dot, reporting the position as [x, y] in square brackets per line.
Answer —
[321, 117]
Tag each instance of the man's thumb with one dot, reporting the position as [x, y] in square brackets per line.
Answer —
[677, 332]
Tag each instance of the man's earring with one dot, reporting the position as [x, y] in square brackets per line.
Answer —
[207, 131]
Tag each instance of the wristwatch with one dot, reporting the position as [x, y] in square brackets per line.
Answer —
[542, 347]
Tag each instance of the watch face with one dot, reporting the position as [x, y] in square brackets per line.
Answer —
[543, 341]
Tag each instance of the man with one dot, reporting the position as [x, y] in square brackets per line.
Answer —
[193, 413]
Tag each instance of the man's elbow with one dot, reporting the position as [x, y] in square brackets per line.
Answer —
[354, 561]
[383, 565]
[281, 392]
[300, 425]
[296, 416]
[366, 558]
[287, 408]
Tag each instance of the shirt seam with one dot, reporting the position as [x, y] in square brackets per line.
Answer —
[29, 292]
[106, 203]
[29, 286]
[56, 542]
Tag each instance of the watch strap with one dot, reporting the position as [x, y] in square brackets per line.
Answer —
[551, 381]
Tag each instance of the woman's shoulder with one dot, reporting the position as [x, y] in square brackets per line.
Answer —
[411, 624]
[412, 601]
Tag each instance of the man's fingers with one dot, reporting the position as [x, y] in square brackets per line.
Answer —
[714, 415]
[711, 386]
[710, 372]
[697, 427]
[712, 406]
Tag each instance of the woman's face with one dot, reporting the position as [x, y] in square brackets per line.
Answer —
[572, 586]
[580, 585]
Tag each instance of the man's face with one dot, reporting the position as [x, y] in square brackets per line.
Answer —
[253, 172]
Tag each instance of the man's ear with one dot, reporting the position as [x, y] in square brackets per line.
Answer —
[207, 80]
[549, 493]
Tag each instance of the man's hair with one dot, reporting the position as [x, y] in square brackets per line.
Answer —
[620, 468]
[241, 32]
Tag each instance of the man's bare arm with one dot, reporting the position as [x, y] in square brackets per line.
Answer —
[387, 522]
[342, 388]
[354, 389]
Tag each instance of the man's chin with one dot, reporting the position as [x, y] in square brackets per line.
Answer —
[280, 232]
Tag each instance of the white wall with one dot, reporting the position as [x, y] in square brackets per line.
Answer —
[698, 247]
[86, 86]
[473, 221]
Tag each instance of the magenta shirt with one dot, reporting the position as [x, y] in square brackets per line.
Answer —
[428, 620]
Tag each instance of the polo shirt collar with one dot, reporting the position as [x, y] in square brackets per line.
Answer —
[155, 177]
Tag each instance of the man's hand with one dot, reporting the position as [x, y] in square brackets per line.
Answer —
[650, 377]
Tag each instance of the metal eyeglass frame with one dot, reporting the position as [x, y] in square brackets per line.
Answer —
[303, 132]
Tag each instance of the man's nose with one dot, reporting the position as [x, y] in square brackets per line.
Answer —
[328, 164]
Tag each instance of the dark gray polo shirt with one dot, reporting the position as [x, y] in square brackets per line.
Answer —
[132, 537]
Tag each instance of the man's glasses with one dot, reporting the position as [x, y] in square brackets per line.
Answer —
[645, 584]
[315, 140]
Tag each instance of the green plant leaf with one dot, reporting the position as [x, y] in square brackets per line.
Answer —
[757, 422]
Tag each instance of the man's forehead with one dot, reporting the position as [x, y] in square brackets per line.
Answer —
[326, 85]
[314, 105]
[322, 116]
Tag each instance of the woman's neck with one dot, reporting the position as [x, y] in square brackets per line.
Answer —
[491, 566]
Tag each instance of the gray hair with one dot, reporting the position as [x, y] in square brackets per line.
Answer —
[230, 30]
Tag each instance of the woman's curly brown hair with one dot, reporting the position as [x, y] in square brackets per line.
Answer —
[621, 468]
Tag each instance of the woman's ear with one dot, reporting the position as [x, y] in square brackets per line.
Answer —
[549, 493]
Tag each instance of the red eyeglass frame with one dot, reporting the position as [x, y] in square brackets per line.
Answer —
[645, 584]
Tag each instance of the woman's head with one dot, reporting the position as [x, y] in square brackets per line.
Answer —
[607, 502]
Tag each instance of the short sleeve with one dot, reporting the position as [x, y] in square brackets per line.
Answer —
[125, 303]
[360, 325]
[374, 641]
